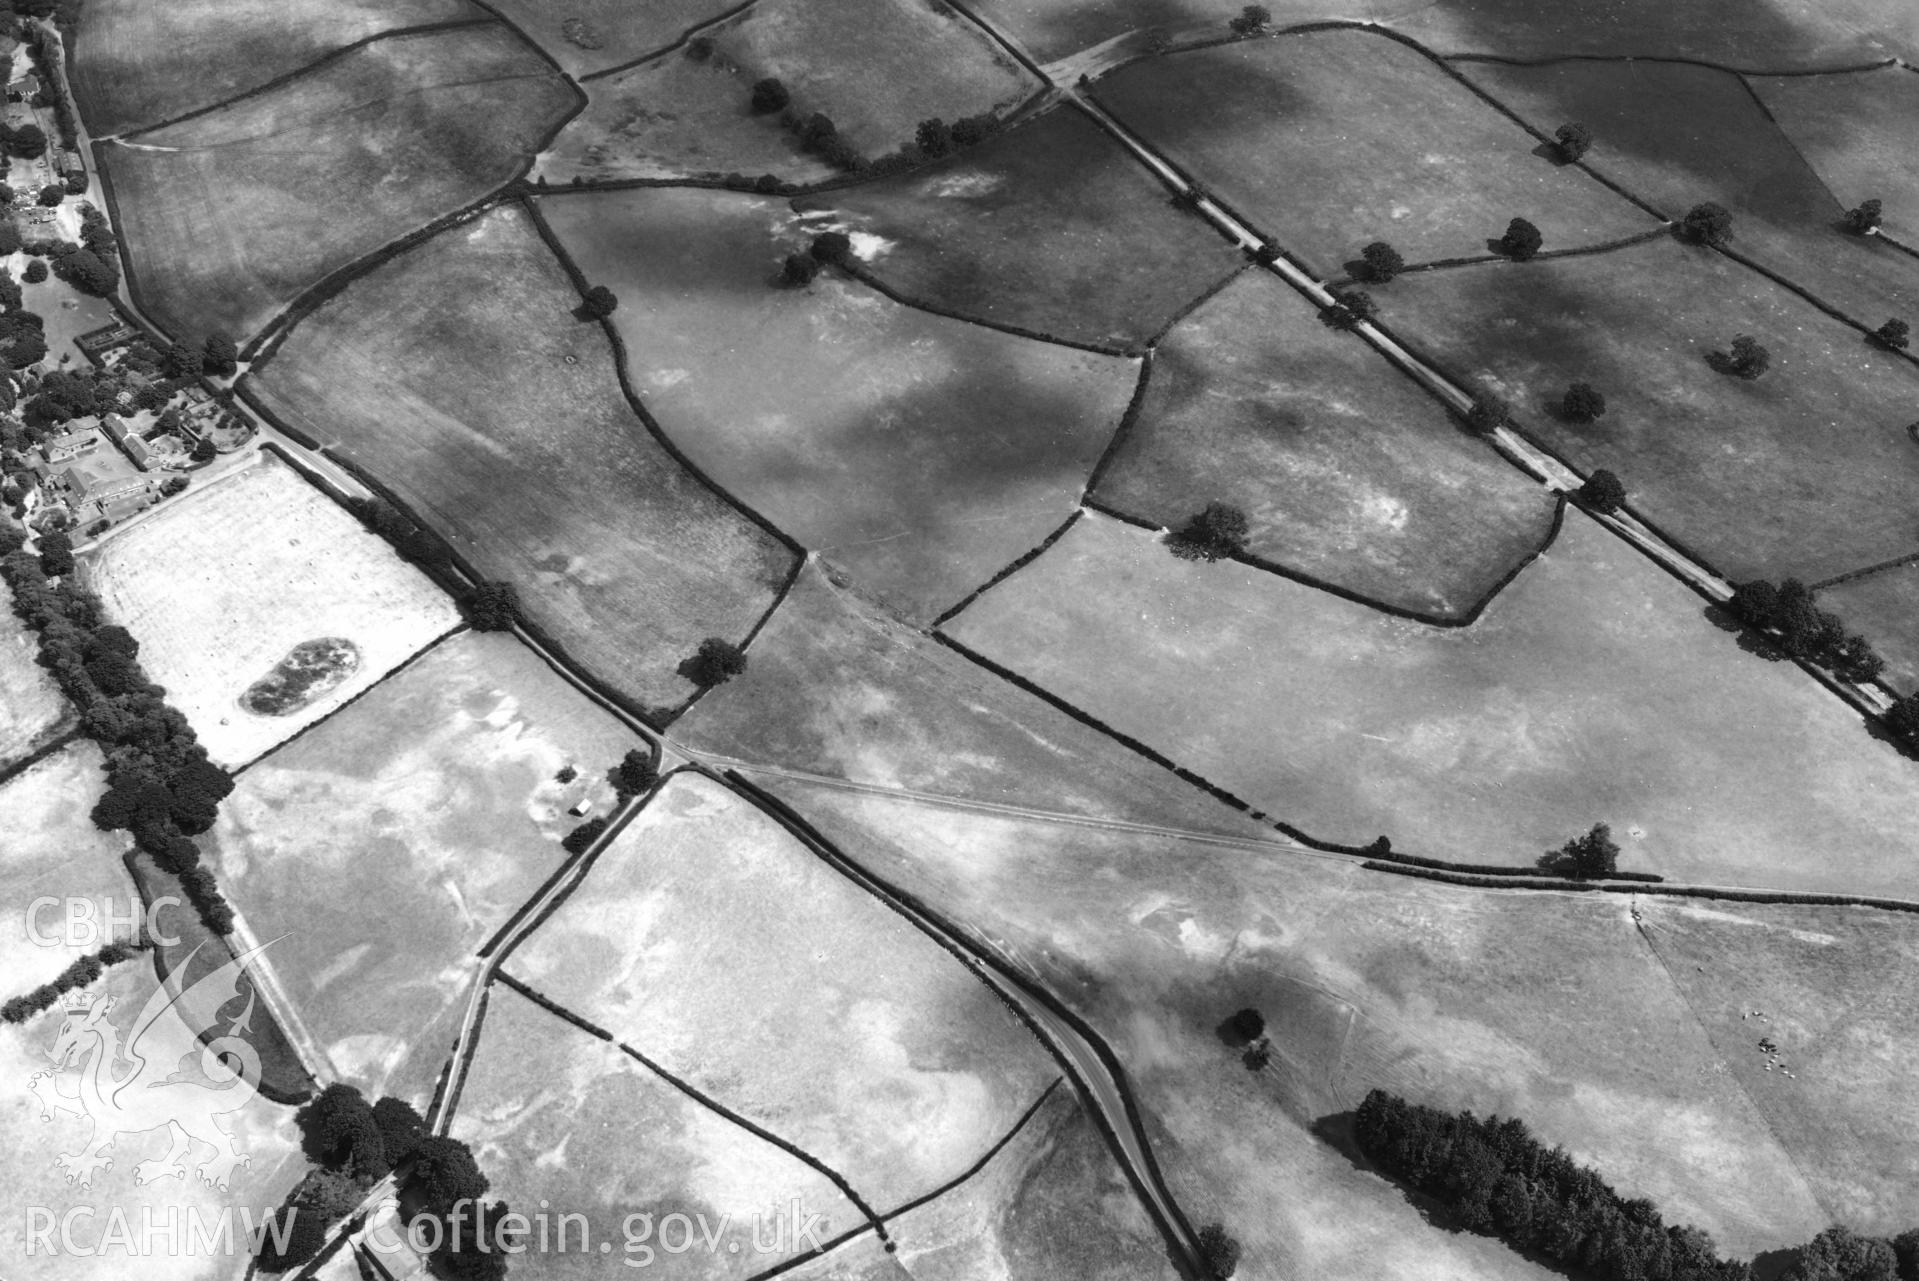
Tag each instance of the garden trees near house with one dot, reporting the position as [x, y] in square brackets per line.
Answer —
[35, 270]
[635, 773]
[1214, 534]
[799, 270]
[182, 361]
[1894, 335]
[1382, 262]
[1218, 1251]
[1585, 858]
[831, 248]
[51, 195]
[1582, 403]
[1489, 411]
[203, 450]
[220, 357]
[598, 303]
[934, 138]
[56, 554]
[88, 272]
[1574, 140]
[1863, 218]
[1349, 309]
[1708, 223]
[769, 95]
[717, 662]
[1251, 20]
[174, 485]
[492, 606]
[29, 142]
[1603, 492]
[577, 840]
[1747, 359]
[1521, 241]
[10, 242]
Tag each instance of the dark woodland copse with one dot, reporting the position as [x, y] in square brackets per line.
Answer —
[1218, 532]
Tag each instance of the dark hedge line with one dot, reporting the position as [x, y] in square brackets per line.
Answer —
[1483, 881]
[161, 786]
[78, 975]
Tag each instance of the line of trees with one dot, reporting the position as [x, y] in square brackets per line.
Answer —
[78, 975]
[1787, 617]
[161, 786]
[1492, 1176]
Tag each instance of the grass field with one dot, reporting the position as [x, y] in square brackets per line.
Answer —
[223, 583]
[921, 453]
[563, 1121]
[1851, 129]
[1553, 1008]
[33, 712]
[52, 850]
[585, 36]
[1780, 34]
[1783, 215]
[1807, 471]
[717, 945]
[458, 375]
[676, 118]
[1346, 470]
[222, 231]
[390, 843]
[1269, 125]
[1592, 690]
[138, 64]
[260, 1130]
[839, 688]
[1884, 607]
[1180, 936]
[1053, 227]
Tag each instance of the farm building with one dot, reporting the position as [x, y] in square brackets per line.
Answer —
[72, 445]
[128, 440]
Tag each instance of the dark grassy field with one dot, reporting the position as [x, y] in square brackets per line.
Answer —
[387, 845]
[459, 376]
[1677, 134]
[1854, 130]
[719, 946]
[1807, 471]
[1274, 127]
[919, 452]
[1776, 34]
[585, 36]
[1593, 689]
[1346, 470]
[229, 216]
[136, 63]
[839, 688]
[1884, 607]
[1052, 227]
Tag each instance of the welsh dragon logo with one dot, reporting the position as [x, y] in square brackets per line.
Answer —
[141, 1084]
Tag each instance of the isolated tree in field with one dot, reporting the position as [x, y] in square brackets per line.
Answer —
[1863, 218]
[635, 772]
[598, 303]
[1894, 335]
[1267, 254]
[1602, 492]
[577, 840]
[1382, 262]
[1521, 241]
[56, 554]
[799, 270]
[1257, 1055]
[1587, 857]
[492, 606]
[1582, 403]
[1747, 359]
[220, 357]
[716, 663]
[1251, 20]
[1218, 1251]
[29, 142]
[1214, 534]
[769, 95]
[1489, 411]
[1707, 224]
[832, 248]
[1247, 1025]
[50, 195]
[934, 138]
[1574, 141]
[1350, 308]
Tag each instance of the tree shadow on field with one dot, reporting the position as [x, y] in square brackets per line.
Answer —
[1748, 638]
